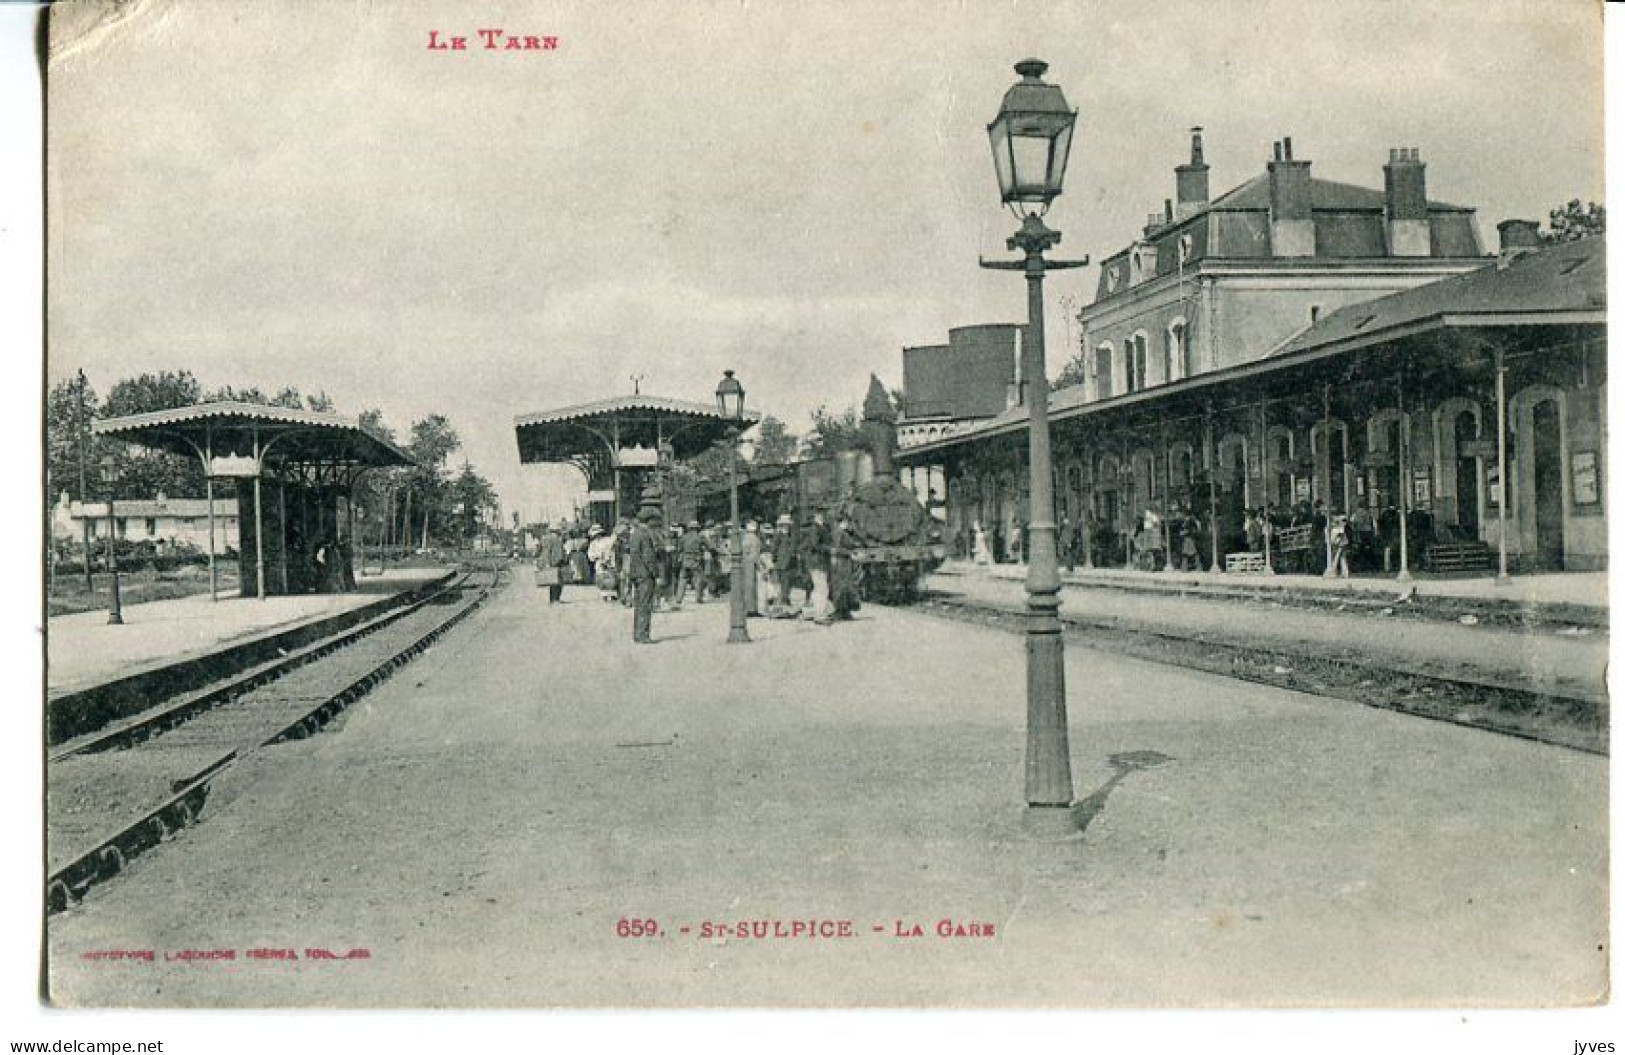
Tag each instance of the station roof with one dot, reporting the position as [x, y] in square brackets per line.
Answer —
[622, 422]
[1564, 286]
[301, 436]
[1568, 279]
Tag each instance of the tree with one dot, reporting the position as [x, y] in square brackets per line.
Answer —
[69, 409]
[1075, 372]
[72, 455]
[433, 441]
[143, 472]
[1573, 222]
[375, 492]
[832, 433]
[473, 500]
[148, 392]
[775, 444]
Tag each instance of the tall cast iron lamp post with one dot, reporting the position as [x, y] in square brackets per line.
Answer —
[1031, 137]
[731, 405]
[115, 608]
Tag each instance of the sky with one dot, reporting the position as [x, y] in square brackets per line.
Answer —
[303, 193]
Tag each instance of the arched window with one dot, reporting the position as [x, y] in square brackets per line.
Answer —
[1134, 354]
[1176, 352]
[1103, 371]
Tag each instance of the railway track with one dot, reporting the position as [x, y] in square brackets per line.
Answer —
[1548, 714]
[119, 792]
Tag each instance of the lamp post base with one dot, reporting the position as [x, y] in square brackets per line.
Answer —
[1049, 824]
[1049, 762]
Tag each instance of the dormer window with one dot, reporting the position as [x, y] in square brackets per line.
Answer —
[1114, 279]
[1142, 263]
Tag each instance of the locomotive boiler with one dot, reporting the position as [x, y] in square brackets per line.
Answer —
[897, 540]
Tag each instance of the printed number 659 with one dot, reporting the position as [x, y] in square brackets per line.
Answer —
[636, 928]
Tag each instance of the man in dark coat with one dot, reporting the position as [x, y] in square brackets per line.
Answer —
[550, 554]
[644, 568]
[843, 586]
[690, 555]
[815, 558]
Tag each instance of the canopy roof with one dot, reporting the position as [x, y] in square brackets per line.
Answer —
[286, 437]
[601, 428]
[1558, 294]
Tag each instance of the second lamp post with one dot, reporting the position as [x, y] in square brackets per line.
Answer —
[115, 607]
[731, 405]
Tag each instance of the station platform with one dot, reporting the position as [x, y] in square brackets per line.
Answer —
[83, 651]
[1558, 596]
[484, 829]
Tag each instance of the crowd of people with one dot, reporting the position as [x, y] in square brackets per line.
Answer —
[788, 570]
[1303, 538]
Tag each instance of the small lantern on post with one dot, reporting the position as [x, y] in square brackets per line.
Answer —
[731, 405]
[115, 607]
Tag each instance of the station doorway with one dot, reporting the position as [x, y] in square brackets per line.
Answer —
[1548, 466]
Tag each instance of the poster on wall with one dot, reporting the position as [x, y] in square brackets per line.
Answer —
[1583, 473]
[1422, 488]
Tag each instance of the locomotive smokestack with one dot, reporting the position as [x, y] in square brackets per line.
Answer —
[880, 425]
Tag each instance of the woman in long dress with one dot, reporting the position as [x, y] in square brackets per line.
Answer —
[979, 544]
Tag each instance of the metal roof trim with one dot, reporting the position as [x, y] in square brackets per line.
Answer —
[625, 403]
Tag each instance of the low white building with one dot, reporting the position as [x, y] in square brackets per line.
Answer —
[171, 520]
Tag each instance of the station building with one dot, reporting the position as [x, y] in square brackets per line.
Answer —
[183, 521]
[1297, 341]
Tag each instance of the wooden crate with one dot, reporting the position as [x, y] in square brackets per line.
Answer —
[1244, 563]
[1458, 556]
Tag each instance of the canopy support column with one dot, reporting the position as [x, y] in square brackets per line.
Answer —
[1326, 486]
[1211, 456]
[1167, 498]
[282, 527]
[1502, 577]
[259, 518]
[1404, 477]
[1266, 527]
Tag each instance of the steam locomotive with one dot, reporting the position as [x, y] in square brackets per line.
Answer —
[898, 541]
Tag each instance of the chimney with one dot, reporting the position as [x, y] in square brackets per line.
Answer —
[1153, 221]
[1190, 181]
[880, 425]
[1292, 220]
[1517, 238]
[1405, 203]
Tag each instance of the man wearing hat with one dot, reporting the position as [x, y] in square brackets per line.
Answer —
[690, 549]
[644, 568]
[550, 563]
[786, 554]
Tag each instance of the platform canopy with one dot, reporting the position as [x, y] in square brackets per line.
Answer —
[304, 458]
[632, 433]
[241, 439]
